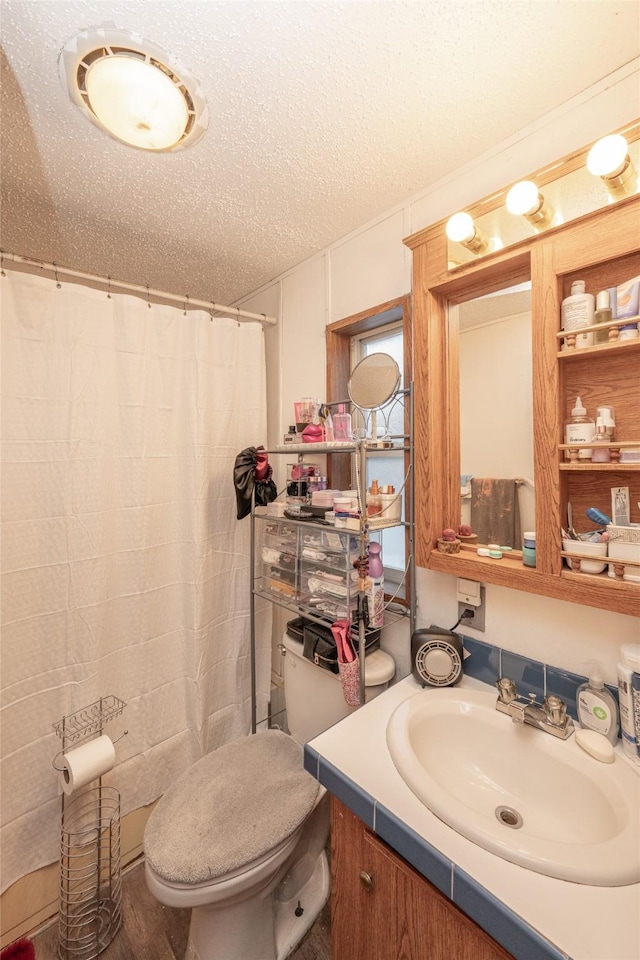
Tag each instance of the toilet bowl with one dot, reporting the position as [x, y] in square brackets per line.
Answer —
[240, 838]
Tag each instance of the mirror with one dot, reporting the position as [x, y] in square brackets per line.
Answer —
[374, 381]
[496, 414]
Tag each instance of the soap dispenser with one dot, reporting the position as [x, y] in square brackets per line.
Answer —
[597, 708]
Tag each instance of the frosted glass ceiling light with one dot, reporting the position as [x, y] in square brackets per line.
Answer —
[461, 229]
[525, 200]
[609, 159]
[133, 90]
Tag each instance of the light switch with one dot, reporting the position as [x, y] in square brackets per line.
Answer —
[469, 592]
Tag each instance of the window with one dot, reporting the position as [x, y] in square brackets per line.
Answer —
[382, 329]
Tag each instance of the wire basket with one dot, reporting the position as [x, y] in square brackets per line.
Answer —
[629, 534]
[90, 879]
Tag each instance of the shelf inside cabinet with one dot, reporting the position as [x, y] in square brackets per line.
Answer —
[629, 346]
[588, 467]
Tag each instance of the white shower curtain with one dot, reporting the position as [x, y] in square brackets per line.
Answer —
[124, 569]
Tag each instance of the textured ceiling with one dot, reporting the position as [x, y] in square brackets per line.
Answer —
[322, 115]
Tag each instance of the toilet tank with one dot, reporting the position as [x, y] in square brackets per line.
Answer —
[313, 696]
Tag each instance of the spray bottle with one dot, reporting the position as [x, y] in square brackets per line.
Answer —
[375, 586]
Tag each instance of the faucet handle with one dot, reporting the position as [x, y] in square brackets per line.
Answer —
[555, 710]
[507, 690]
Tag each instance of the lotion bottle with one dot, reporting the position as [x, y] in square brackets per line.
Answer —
[577, 311]
[628, 669]
[603, 314]
[597, 708]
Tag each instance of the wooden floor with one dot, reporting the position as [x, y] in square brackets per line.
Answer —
[153, 932]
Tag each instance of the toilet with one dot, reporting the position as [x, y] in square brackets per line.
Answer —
[240, 838]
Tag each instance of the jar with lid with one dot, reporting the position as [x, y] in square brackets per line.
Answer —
[529, 548]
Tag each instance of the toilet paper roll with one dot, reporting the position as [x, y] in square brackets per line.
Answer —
[87, 762]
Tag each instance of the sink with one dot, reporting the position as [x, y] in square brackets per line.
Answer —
[518, 792]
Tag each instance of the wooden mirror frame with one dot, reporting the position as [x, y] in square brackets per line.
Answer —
[548, 260]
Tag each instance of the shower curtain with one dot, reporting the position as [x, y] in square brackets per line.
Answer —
[124, 569]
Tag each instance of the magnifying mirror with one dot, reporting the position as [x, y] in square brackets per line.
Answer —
[374, 381]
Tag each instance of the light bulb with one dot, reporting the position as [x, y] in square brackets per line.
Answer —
[461, 229]
[137, 102]
[606, 157]
[610, 160]
[525, 200]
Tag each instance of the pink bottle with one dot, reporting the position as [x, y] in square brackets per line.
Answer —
[342, 424]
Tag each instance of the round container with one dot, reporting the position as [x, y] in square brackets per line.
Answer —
[529, 548]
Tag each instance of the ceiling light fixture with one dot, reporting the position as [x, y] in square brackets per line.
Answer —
[461, 229]
[609, 159]
[133, 90]
[525, 200]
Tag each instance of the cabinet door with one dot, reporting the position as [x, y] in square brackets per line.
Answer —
[382, 909]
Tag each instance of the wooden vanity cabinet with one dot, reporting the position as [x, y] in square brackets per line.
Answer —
[383, 909]
[602, 248]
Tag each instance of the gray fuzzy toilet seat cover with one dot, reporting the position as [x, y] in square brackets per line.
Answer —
[230, 808]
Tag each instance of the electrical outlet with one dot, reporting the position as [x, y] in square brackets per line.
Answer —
[475, 615]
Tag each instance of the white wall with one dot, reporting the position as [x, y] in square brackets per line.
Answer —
[371, 266]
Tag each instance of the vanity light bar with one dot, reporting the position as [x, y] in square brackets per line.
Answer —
[608, 159]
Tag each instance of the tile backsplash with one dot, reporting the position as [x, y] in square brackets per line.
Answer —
[487, 663]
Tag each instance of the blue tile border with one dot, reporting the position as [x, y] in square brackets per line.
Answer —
[417, 851]
[501, 923]
[528, 674]
[353, 796]
[483, 660]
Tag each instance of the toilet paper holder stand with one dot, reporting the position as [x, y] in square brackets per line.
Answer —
[90, 904]
[84, 723]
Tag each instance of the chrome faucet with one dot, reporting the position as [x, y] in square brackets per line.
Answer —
[550, 715]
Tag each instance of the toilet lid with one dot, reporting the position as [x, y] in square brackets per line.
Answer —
[235, 805]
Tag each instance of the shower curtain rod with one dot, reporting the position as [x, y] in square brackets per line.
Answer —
[186, 301]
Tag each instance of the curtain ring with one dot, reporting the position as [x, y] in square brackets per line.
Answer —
[55, 273]
[148, 300]
[109, 288]
[185, 304]
[2, 273]
[238, 315]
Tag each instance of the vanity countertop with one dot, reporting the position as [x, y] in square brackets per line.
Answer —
[533, 916]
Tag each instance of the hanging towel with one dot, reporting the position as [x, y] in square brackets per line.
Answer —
[495, 515]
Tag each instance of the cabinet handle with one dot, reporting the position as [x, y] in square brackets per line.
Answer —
[366, 880]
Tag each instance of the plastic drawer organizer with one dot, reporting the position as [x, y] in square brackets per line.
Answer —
[90, 877]
[311, 568]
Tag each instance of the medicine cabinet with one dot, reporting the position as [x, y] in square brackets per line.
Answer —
[603, 248]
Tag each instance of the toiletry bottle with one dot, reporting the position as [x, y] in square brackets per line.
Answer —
[342, 424]
[606, 411]
[374, 502]
[629, 712]
[597, 708]
[577, 311]
[579, 429]
[375, 586]
[529, 548]
[603, 314]
[600, 454]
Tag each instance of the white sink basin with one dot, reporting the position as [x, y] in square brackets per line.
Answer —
[571, 816]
